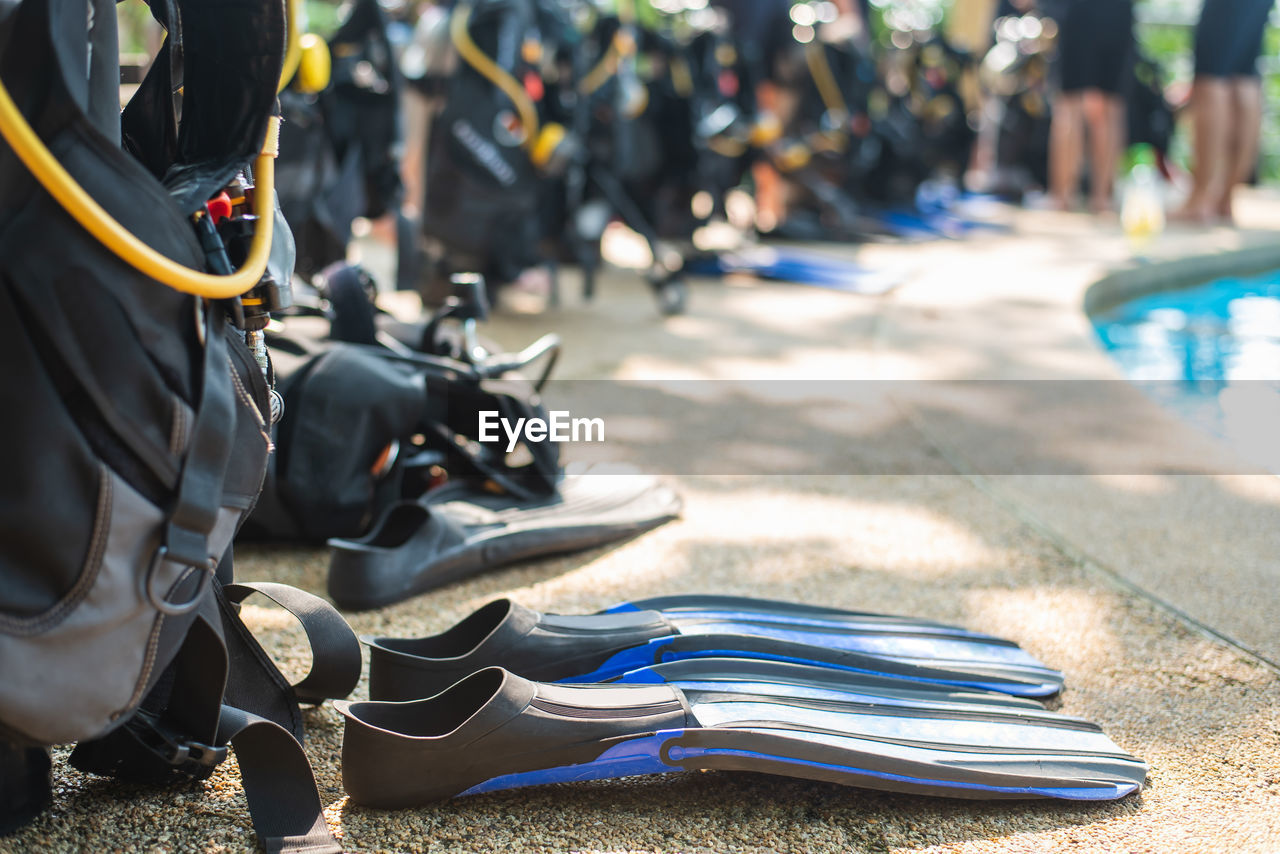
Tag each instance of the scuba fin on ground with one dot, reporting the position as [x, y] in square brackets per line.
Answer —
[460, 530]
[799, 266]
[495, 730]
[609, 644]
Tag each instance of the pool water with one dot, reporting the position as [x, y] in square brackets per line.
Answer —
[1211, 353]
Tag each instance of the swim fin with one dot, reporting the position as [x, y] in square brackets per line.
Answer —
[459, 531]
[494, 730]
[785, 264]
[597, 647]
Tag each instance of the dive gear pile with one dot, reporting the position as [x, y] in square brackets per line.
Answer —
[365, 425]
[378, 452]
[551, 118]
[340, 147]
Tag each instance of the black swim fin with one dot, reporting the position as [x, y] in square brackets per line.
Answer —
[418, 546]
[494, 730]
[603, 646]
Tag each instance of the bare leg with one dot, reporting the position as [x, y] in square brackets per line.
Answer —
[1100, 114]
[1211, 104]
[1066, 148]
[417, 119]
[1243, 152]
[770, 205]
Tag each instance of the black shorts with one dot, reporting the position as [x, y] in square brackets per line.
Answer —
[1095, 45]
[1229, 37]
[761, 29]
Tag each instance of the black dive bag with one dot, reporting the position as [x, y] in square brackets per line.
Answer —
[365, 426]
[134, 436]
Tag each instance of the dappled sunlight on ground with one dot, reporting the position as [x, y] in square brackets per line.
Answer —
[1146, 485]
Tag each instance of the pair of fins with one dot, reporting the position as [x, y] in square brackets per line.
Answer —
[511, 698]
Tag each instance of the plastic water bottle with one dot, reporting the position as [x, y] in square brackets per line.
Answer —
[1142, 211]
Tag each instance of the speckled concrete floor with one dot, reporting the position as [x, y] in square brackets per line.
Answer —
[914, 537]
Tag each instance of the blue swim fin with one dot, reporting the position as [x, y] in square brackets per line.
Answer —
[494, 730]
[598, 647]
[784, 264]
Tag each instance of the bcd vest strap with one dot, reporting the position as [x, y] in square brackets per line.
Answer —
[184, 728]
[278, 784]
[335, 651]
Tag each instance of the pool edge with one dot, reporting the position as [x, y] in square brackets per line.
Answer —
[1130, 282]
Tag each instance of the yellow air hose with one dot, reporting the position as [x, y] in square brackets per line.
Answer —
[820, 71]
[110, 233]
[621, 46]
[491, 71]
[91, 216]
[293, 47]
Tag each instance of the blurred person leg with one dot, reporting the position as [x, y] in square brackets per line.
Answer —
[1103, 115]
[418, 111]
[1066, 149]
[1226, 101]
[1247, 96]
[770, 202]
[1211, 140]
[761, 29]
[1095, 47]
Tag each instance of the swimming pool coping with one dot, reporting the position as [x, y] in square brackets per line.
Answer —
[1128, 283]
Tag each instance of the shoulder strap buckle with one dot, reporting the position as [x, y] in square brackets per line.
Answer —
[186, 755]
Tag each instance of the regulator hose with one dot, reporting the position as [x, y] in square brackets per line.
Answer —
[470, 52]
[91, 216]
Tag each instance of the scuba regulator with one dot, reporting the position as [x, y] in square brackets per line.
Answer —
[226, 229]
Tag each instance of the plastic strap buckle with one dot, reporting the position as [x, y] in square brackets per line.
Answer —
[186, 755]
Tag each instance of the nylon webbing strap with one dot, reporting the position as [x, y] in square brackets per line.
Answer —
[104, 69]
[208, 453]
[335, 650]
[278, 784]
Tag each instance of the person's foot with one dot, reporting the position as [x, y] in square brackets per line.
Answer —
[1190, 214]
[1225, 215]
[1047, 203]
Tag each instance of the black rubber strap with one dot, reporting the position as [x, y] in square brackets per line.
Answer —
[208, 454]
[278, 784]
[335, 650]
[104, 70]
